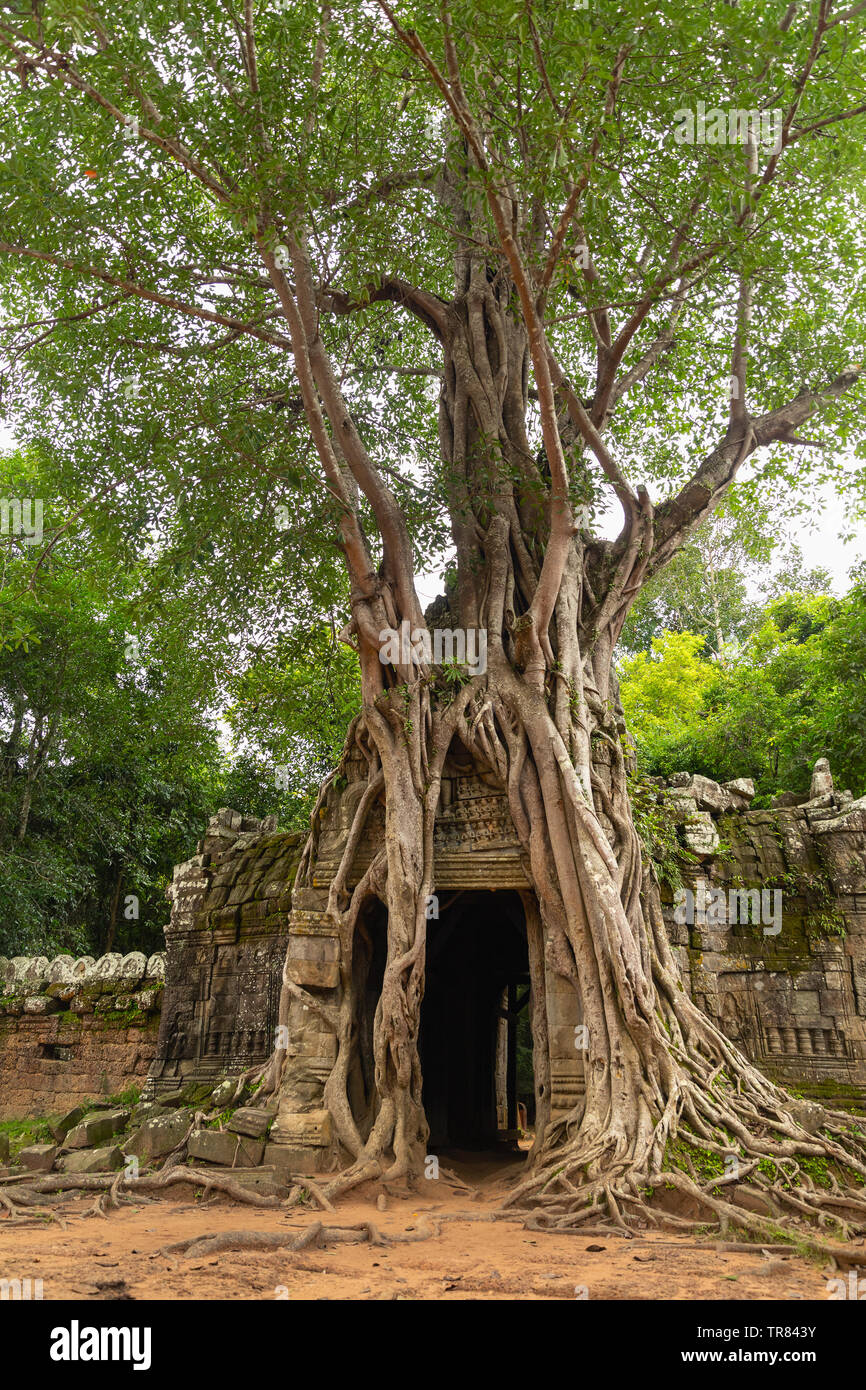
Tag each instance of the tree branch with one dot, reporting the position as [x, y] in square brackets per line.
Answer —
[153, 296]
[578, 188]
[391, 183]
[54, 323]
[561, 517]
[677, 517]
[429, 308]
[58, 67]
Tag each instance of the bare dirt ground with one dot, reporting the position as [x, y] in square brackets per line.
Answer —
[119, 1256]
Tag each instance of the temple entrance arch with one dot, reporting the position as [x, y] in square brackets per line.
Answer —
[485, 948]
[475, 1042]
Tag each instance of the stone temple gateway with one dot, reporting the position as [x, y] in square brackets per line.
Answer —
[793, 996]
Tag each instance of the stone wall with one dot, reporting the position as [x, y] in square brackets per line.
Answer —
[71, 1030]
[791, 994]
[225, 946]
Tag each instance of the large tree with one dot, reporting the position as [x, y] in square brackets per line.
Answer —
[468, 274]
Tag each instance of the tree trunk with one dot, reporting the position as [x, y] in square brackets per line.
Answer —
[112, 913]
[34, 760]
[12, 745]
[40, 746]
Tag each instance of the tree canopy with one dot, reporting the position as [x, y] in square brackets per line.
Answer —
[111, 755]
[152, 153]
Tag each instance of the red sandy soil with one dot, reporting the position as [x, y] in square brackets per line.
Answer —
[118, 1257]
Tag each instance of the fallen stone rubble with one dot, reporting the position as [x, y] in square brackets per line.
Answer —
[208, 1128]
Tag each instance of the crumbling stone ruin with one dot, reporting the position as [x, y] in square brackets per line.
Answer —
[225, 946]
[792, 994]
[795, 1000]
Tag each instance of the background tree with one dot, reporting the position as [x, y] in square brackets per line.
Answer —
[111, 759]
[795, 692]
[705, 587]
[316, 214]
[663, 691]
[291, 708]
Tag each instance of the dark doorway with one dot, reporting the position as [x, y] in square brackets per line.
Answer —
[475, 1054]
[369, 954]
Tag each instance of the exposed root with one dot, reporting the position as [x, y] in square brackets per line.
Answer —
[111, 1184]
[107, 1200]
[742, 1247]
[455, 1181]
[316, 1235]
[25, 1208]
[306, 1184]
[845, 1256]
[668, 1099]
[627, 1205]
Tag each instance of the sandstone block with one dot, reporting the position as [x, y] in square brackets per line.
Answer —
[809, 1115]
[223, 1094]
[741, 791]
[700, 835]
[40, 1004]
[104, 1160]
[312, 1127]
[61, 978]
[287, 1158]
[39, 1158]
[196, 1092]
[822, 780]
[709, 795]
[318, 974]
[170, 1099]
[146, 1110]
[158, 1136]
[253, 1123]
[218, 1146]
[92, 1131]
[104, 977]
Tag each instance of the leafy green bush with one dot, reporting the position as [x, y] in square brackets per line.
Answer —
[794, 692]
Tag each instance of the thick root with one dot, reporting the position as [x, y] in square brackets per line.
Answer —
[112, 1184]
[779, 1202]
[317, 1235]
